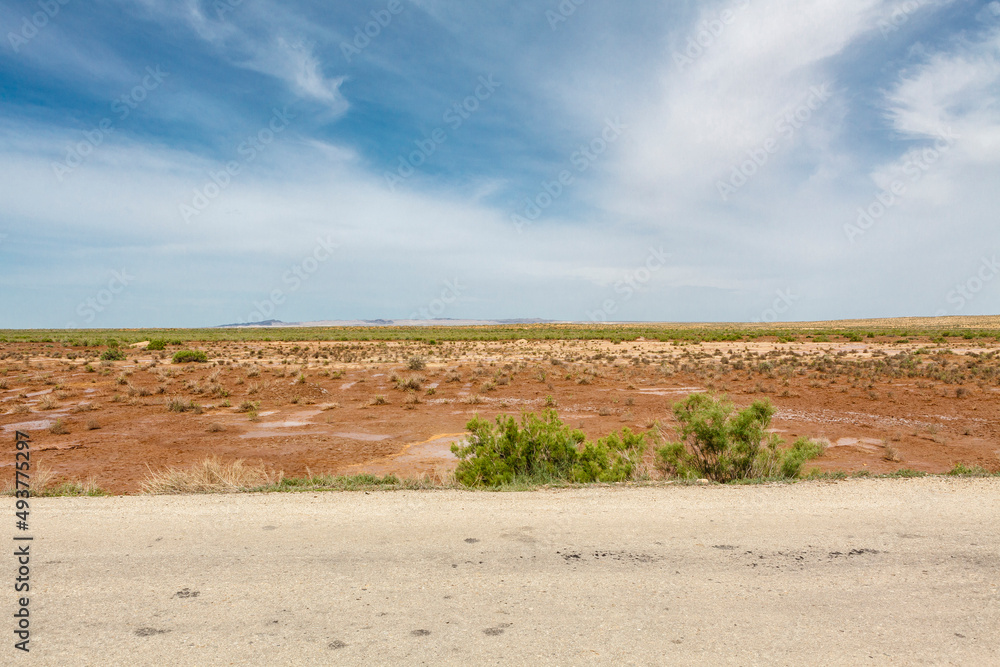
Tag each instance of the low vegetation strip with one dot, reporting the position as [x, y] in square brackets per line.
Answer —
[214, 476]
[851, 330]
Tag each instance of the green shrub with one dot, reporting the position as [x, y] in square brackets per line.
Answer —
[416, 364]
[185, 356]
[541, 450]
[962, 470]
[113, 354]
[802, 450]
[720, 446]
[156, 345]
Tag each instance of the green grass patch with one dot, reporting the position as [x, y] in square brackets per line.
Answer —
[351, 483]
[962, 470]
[904, 473]
[71, 489]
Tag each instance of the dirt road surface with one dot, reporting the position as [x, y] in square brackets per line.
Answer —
[855, 572]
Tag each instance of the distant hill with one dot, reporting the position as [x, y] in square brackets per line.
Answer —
[265, 323]
[438, 322]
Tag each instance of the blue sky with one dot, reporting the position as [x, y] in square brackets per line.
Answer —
[193, 163]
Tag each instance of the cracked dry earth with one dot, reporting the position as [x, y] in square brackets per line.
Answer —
[880, 404]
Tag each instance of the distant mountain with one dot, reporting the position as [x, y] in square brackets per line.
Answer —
[264, 323]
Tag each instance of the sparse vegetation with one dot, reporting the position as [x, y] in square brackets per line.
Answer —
[70, 488]
[412, 383]
[210, 476]
[869, 383]
[180, 405]
[891, 454]
[962, 470]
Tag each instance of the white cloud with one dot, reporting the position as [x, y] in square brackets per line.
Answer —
[953, 90]
[266, 49]
[726, 97]
[295, 63]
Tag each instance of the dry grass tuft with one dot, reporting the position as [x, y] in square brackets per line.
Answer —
[41, 478]
[211, 476]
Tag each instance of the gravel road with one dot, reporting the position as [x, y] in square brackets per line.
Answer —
[854, 572]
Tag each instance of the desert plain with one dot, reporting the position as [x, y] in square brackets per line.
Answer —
[880, 402]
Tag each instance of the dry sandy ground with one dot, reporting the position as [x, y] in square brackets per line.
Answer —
[856, 572]
[881, 404]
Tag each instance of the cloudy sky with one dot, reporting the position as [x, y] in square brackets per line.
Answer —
[199, 162]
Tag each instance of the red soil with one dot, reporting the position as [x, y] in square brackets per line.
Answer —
[925, 423]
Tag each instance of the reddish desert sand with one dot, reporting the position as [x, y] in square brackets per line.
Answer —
[881, 405]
